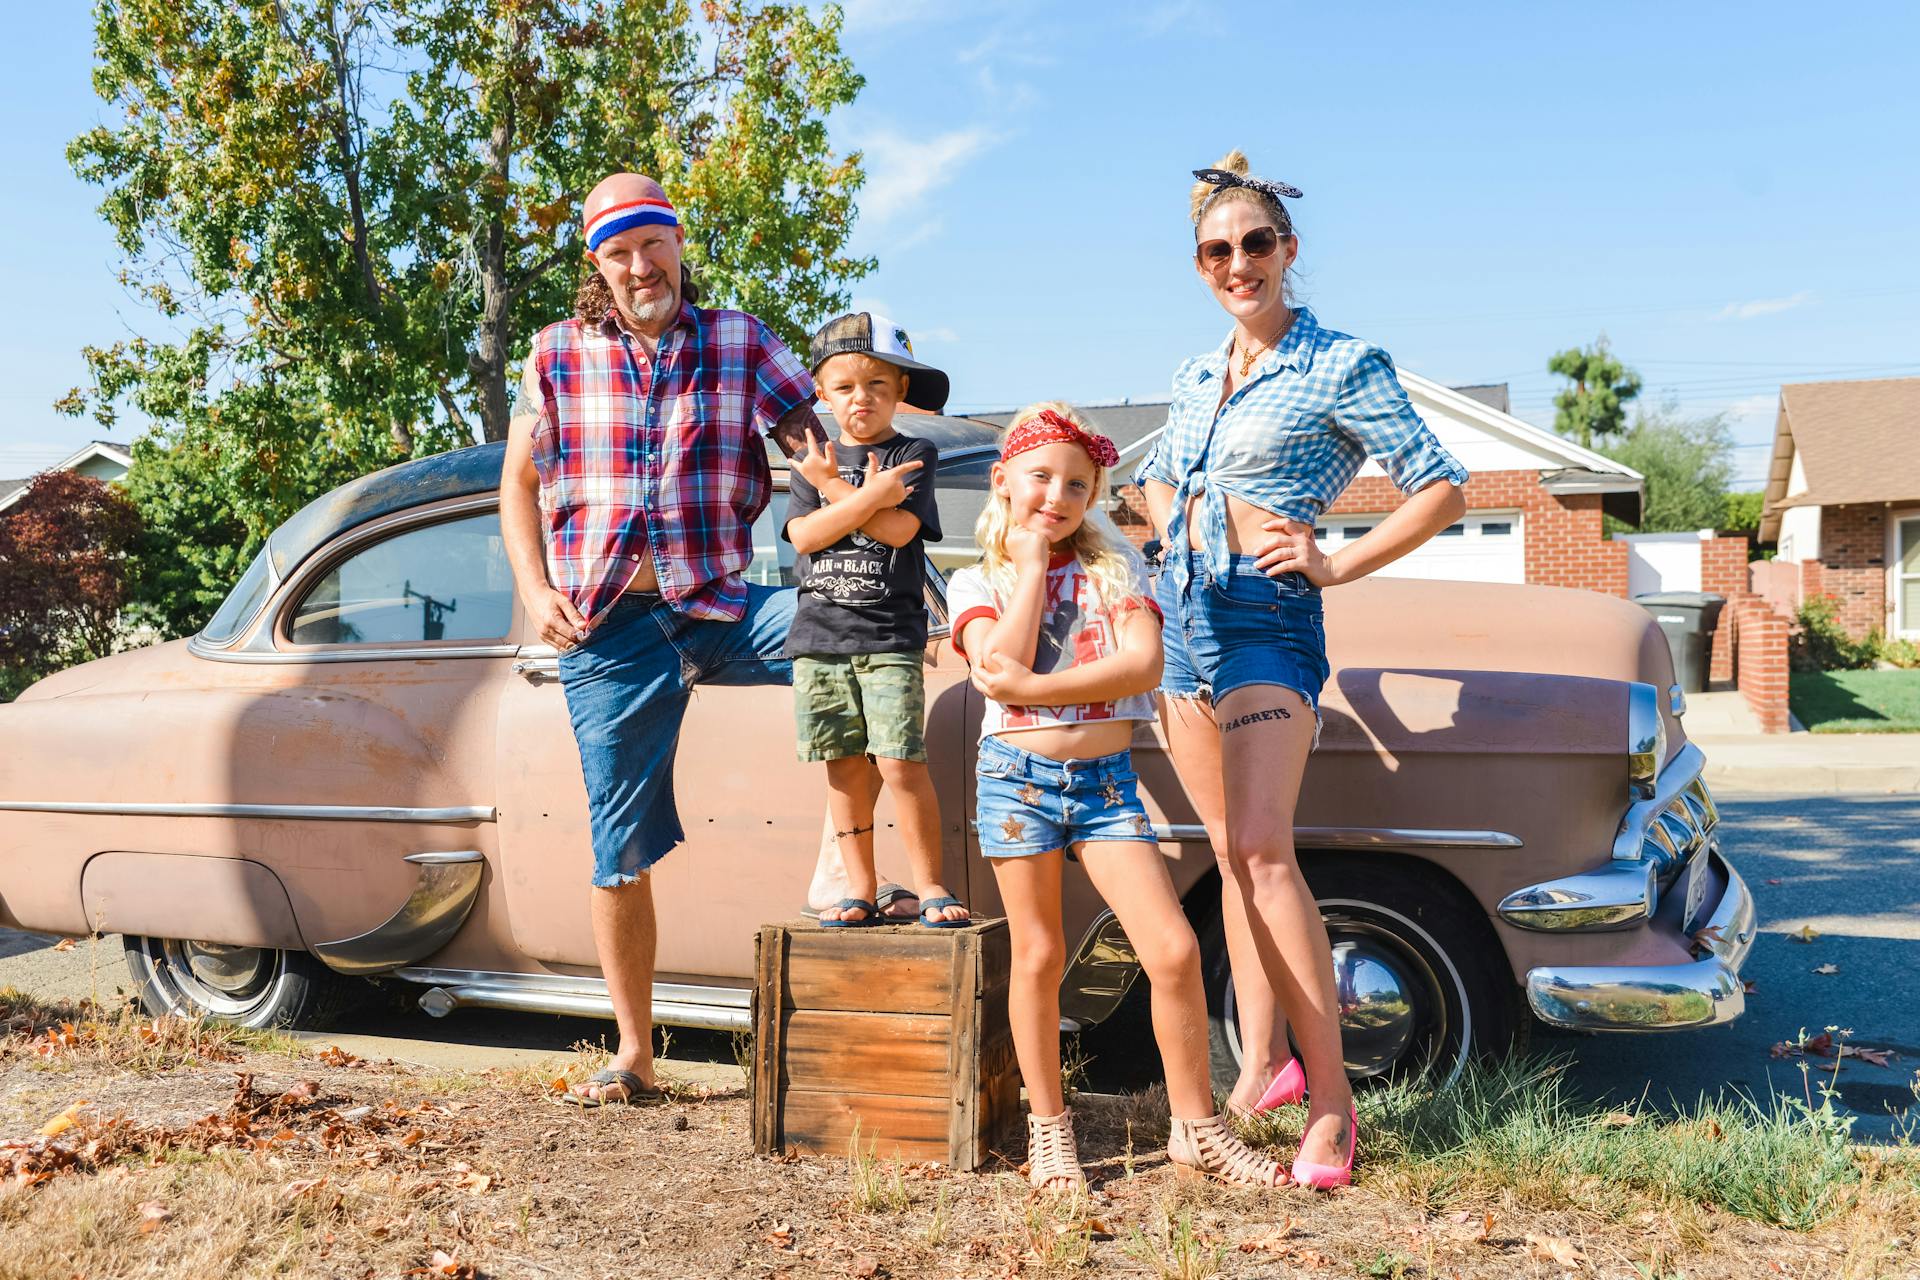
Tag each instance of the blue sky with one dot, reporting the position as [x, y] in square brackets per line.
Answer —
[1727, 191]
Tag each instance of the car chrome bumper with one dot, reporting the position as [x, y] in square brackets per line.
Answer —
[1657, 997]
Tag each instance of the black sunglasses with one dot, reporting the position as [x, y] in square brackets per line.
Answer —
[1257, 243]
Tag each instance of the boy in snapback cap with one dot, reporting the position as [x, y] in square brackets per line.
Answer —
[859, 512]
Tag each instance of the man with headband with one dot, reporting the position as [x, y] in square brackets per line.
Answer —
[634, 471]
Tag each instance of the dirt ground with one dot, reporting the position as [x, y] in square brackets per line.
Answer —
[158, 1150]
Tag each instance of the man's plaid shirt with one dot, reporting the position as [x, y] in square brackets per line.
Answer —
[660, 461]
[1290, 438]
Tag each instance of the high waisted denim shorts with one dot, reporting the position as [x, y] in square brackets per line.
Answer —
[1244, 628]
[1032, 804]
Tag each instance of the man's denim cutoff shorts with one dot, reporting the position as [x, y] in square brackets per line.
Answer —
[1244, 628]
[627, 689]
[1032, 804]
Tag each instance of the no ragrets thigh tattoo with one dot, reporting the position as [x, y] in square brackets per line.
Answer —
[1256, 717]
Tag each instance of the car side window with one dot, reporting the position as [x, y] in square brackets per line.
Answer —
[446, 581]
[961, 496]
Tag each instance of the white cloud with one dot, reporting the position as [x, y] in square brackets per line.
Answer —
[1764, 306]
[902, 171]
[941, 334]
[876, 15]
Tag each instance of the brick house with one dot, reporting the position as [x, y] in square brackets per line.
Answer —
[1534, 504]
[1843, 501]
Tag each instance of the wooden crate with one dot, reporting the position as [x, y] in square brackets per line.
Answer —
[901, 1028]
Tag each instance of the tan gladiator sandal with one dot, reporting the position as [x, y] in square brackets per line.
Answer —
[1208, 1149]
[1053, 1162]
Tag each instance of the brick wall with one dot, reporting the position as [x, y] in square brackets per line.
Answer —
[1565, 544]
[1853, 565]
[1723, 572]
[1759, 656]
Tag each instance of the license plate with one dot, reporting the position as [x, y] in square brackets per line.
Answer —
[1696, 874]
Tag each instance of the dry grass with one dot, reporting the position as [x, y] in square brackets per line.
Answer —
[202, 1154]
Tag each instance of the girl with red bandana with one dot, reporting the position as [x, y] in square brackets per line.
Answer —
[1064, 640]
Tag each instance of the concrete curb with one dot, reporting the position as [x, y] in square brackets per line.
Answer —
[1814, 764]
[1821, 780]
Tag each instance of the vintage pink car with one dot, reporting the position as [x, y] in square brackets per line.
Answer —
[362, 767]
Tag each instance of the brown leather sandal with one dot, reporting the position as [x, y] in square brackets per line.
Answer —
[1208, 1149]
[1053, 1162]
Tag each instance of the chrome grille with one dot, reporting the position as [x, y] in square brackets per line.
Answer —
[1680, 829]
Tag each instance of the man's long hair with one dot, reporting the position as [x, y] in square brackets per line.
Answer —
[594, 298]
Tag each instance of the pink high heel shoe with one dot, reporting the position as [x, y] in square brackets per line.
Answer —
[1325, 1177]
[1287, 1088]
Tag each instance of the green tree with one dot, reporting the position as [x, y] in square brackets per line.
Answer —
[350, 215]
[1743, 512]
[1687, 462]
[1596, 403]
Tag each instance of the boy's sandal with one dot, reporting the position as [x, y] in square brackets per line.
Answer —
[638, 1092]
[936, 904]
[1053, 1161]
[890, 893]
[1208, 1149]
[853, 904]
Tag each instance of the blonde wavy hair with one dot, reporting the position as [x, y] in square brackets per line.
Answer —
[1103, 551]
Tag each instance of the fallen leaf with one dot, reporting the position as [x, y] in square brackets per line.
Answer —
[335, 1056]
[443, 1264]
[304, 1092]
[1618, 1119]
[65, 944]
[1749, 986]
[154, 1214]
[1272, 1242]
[1708, 936]
[62, 1122]
[1821, 1044]
[557, 1085]
[1486, 1229]
[781, 1237]
[1878, 1057]
[413, 1138]
[294, 1190]
[864, 1267]
[1774, 880]
[1805, 933]
[1555, 1249]
[1827, 969]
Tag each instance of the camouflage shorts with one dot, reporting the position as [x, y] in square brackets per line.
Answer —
[861, 704]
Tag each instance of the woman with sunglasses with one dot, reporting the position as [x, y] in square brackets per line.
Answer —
[1263, 434]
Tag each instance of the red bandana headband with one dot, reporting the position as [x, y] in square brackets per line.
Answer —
[1048, 427]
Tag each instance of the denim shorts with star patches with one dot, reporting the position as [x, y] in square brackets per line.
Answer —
[1032, 804]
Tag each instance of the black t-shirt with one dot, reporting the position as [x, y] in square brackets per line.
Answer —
[861, 595]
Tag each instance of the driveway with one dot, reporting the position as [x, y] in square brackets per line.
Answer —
[1845, 867]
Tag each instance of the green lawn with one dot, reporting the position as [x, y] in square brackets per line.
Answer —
[1857, 701]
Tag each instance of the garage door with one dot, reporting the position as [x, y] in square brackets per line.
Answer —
[1485, 546]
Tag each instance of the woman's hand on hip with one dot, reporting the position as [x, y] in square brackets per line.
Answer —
[1294, 550]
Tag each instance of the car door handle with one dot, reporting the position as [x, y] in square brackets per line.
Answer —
[537, 663]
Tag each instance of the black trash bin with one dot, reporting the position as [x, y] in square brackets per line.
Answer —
[1688, 619]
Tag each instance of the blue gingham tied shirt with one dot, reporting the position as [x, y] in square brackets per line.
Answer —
[1290, 438]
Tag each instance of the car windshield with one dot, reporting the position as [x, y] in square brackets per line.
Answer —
[241, 603]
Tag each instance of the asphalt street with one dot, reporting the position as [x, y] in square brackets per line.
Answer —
[1844, 869]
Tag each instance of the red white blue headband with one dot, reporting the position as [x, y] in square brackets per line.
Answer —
[625, 216]
[1048, 427]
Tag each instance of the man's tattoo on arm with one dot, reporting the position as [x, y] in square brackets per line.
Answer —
[795, 425]
[1255, 717]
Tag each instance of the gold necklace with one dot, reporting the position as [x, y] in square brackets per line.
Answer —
[1247, 356]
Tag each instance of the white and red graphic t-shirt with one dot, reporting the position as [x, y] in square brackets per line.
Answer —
[1076, 626]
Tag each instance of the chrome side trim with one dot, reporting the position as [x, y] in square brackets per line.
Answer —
[442, 896]
[1646, 738]
[1360, 837]
[1099, 975]
[1621, 895]
[537, 662]
[1641, 823]
[674, 1004]
[1657, 997]
[296, 812]
[397, 653]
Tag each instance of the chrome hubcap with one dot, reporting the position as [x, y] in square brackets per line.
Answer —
[217, 977]
[1393, 1009]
